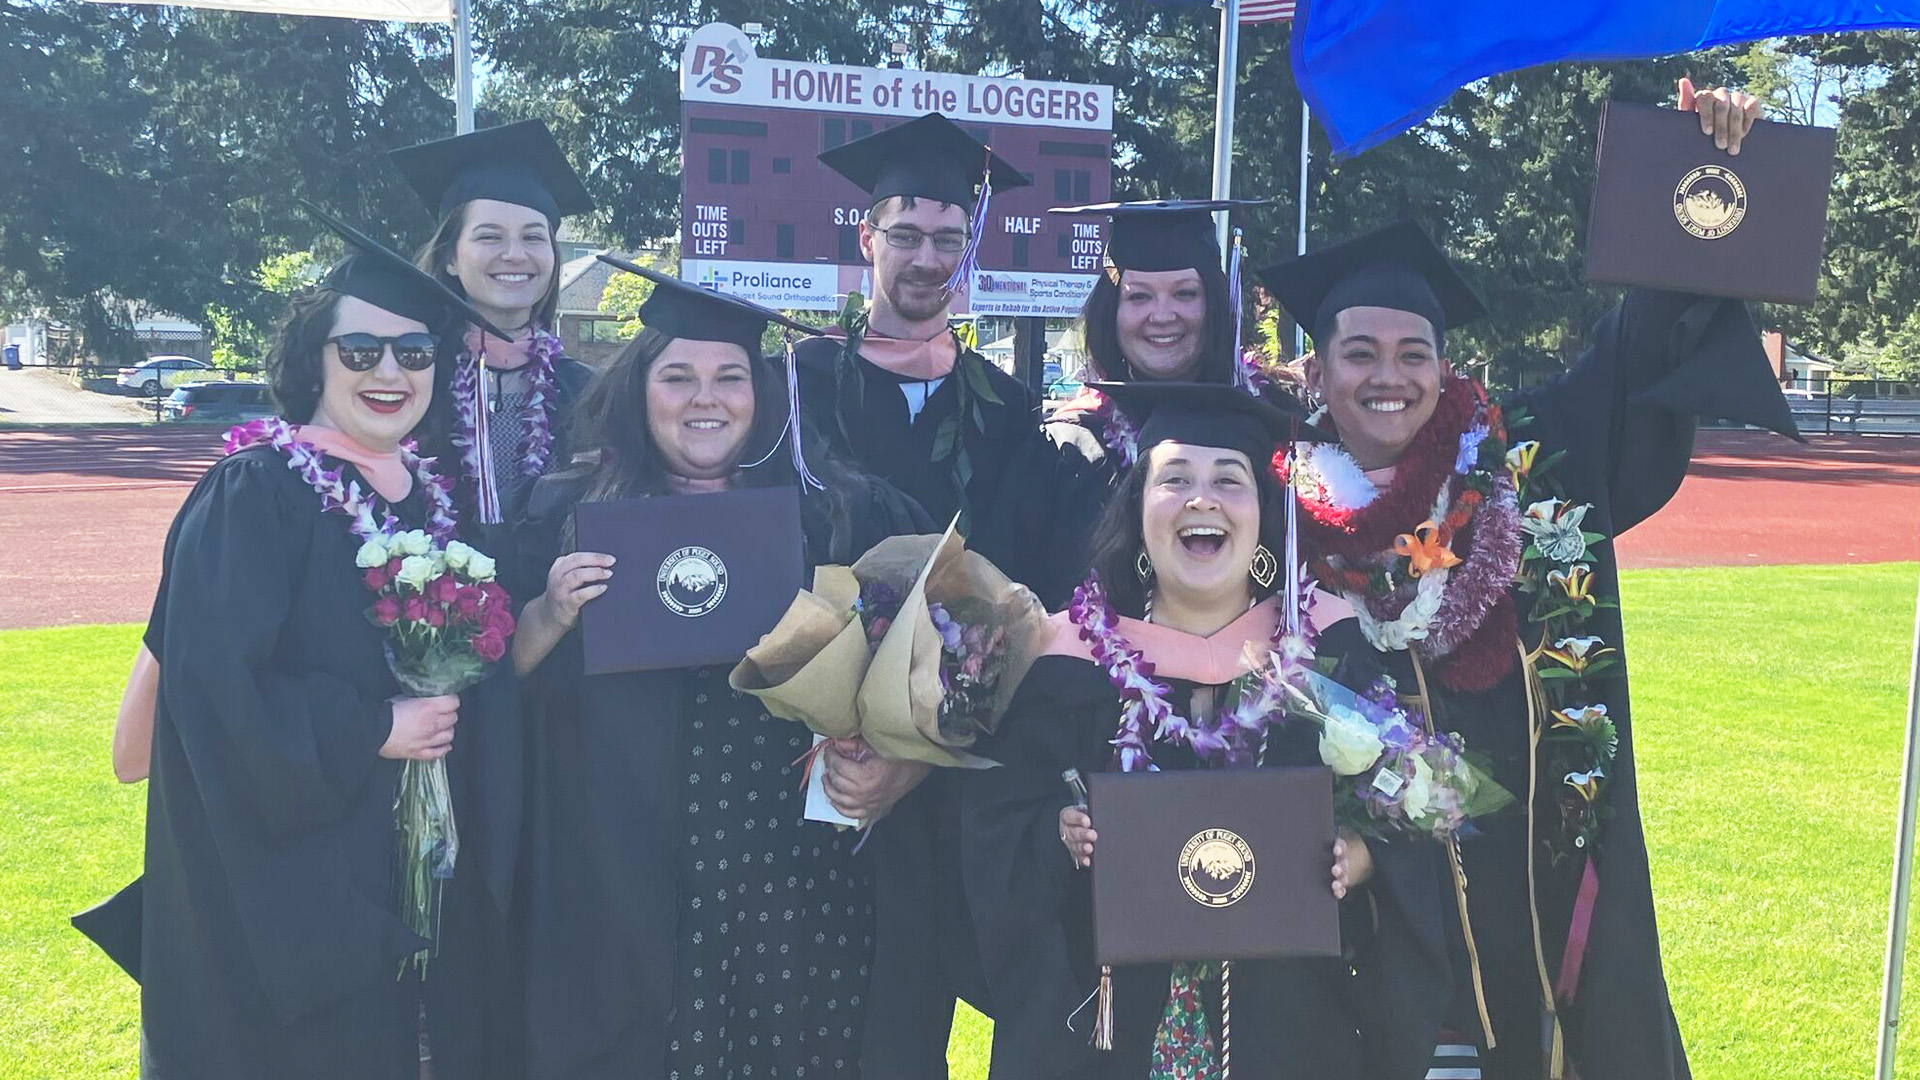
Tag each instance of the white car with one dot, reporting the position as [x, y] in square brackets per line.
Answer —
[157, 373]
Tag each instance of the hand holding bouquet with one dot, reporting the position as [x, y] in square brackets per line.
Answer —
[446, 620]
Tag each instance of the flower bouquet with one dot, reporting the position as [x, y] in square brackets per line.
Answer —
[446, 620]
[1393, 775]
[915, 651]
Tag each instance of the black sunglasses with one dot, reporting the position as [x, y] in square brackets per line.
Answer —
[360, 352]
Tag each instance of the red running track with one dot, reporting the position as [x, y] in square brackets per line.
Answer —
[84, 511]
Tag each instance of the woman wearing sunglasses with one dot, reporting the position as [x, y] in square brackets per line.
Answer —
[265, 935]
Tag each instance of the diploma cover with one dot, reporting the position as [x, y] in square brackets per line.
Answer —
[1671, 211]
[1213, 864]
[698, 578]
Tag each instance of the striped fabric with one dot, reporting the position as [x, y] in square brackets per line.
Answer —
[1454, 1061]
[1264, 11]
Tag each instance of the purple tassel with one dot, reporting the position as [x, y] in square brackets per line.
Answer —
[487, 493]
[790, 433]
[963, 271]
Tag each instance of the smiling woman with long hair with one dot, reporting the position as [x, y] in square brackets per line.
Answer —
[686, 919]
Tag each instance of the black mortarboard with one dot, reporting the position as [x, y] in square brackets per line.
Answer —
[1397, 267]
[1162, 234]
[384, 279]
[930, 157]
[1211, 414]
[518, 163]
[680, 310]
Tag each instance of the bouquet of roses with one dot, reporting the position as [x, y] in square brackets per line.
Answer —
[446, 620]
[1392, 774]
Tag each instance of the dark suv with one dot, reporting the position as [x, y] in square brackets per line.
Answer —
[218, 402]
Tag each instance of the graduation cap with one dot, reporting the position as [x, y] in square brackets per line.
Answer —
[680, 310]
[930, 157]
[517, 163]
[1397, 267]
[1161, 234]
[1212, 414]
[381, 277]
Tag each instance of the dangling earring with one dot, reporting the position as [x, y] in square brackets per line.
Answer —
[1143, 566]
[1265, 567]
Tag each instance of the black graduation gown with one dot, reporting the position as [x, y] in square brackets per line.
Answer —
[1625, 415]
[606, 831]
[1310, 1018]
[1057, 490]
[860, 410]
[476, 985]
[270, 941]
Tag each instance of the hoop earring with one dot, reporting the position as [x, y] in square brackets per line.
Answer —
[1264, 568]
[1143, 566]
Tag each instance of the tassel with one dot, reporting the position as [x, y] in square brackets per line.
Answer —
[1226, 1020]
[1103, 1011]
[976, 228]
[487, 492]
[1294, 584]
[1241, 377]
[790, 432]
[1554, 1040]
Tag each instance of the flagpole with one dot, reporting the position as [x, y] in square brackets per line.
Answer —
[1902, 872]
[462, 66]
[1223, 118]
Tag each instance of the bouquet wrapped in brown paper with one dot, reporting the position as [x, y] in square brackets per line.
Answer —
[809, 666]
[952, 639]
[916, 649]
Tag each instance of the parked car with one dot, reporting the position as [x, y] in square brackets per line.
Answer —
[218, 402]
[157, 373]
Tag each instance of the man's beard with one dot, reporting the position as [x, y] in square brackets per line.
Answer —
[919, 300]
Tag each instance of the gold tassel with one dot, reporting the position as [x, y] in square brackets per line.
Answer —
[1459, 876]
[1552, 1037]
[1103, 1011]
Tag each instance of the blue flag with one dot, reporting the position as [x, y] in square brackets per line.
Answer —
[1371, 69]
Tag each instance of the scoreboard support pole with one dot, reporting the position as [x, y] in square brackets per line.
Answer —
[1030, 354]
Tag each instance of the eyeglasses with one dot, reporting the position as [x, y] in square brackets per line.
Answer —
[907, 238]
[360, 352]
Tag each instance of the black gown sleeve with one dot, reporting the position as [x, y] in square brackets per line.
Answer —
[275, 751]
[1627, 407]
[1021, 885]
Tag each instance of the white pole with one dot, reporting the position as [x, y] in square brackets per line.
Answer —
[1300, 247]
[1223, 119]
[1902, 873]
[462, 66]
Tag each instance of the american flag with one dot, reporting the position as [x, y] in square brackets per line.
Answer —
[1261, 11]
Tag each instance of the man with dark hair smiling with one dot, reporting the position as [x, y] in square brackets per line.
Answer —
[1473, 539]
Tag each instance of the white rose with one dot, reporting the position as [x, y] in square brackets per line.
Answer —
[372, 553]
[458, 554]
[1417, 798]
[413, 542]
[415, 571]
[1348, 743]
[480, 566]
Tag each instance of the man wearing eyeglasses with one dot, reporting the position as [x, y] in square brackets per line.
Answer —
[905, 398]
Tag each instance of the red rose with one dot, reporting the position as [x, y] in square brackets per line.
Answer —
[376, 578]
[415, 609]
[467, 602]
[489, 646]
[386, 610]
[436, 616]
[443, 589]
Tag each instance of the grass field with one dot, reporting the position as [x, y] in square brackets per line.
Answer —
[1768, 705]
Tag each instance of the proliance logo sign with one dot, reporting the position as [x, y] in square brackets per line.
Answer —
[797, 286]
[719, 65]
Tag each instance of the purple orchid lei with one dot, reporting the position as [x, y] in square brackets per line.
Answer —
[337, 496]
[471, 435]
[1120, 435]
[1234, 738]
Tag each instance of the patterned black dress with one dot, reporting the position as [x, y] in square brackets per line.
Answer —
[776, 912]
